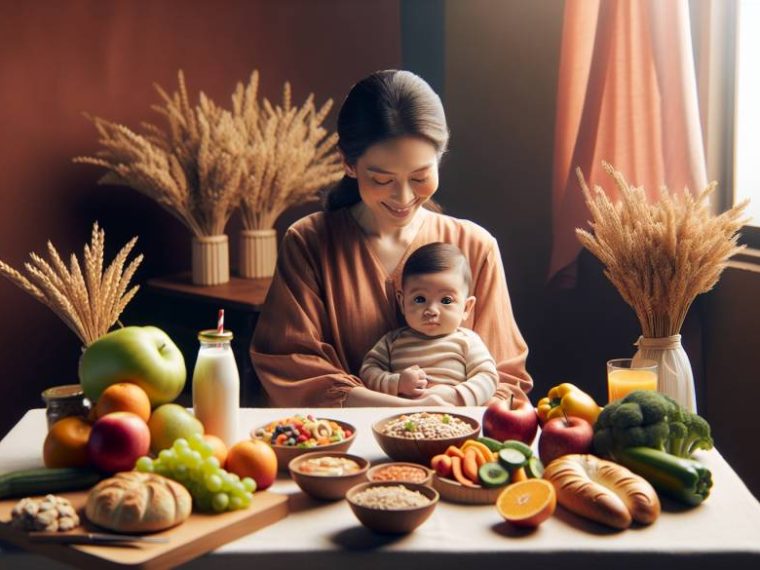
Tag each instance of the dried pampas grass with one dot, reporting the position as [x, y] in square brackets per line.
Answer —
[659, 255]
[193, 169]
[88, 301]
[289, 156]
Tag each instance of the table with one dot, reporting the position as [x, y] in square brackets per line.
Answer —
[724, 532]
[182, 309]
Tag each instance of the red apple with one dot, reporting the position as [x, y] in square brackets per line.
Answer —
[510, 419]
[562, 436]
[117, 440]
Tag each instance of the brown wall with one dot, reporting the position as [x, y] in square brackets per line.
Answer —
[58, 59]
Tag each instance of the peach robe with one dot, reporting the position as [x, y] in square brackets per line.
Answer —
[331, 300]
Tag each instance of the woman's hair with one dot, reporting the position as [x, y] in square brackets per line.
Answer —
[385, 105]
[437, 257]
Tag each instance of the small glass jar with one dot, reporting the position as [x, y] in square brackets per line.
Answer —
[64, 401]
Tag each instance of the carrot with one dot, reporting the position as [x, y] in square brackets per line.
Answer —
[441, 464]
[518, 475]
[456, 470]
[481, 459]
[454, 451]
[470, 465]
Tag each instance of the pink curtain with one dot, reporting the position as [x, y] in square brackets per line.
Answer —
[627, 95]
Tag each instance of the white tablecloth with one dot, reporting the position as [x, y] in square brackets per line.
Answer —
[723, 532]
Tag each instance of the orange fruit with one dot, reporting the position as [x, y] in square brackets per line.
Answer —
[66, 443]
[254, 459]
[527, 503]
[123, 397]
[220, 450]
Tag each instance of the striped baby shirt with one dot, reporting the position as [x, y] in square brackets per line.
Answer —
[459, 359]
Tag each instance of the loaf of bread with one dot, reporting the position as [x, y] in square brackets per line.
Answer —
[602, 491]
[138, 502]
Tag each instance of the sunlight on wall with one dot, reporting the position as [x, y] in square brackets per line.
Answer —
[747, 161]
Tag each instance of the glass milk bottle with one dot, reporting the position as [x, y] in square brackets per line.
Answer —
[216, 386]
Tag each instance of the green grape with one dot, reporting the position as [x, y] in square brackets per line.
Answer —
[195, 441]
[236, 503]
[210, 466]
[213, 483]
[220, 502]
[180, 443]
[144, 464]
[247, 498]
[167, 455]
[249, 484]
[205, 449]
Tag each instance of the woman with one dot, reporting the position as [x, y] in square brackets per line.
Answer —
[334, 293]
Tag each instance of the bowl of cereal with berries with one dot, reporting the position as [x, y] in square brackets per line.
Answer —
[295, 435]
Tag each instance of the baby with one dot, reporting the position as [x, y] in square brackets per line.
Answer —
[434, 353]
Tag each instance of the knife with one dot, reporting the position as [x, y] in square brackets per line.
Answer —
[93, 538]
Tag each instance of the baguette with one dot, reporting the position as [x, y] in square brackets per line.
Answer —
[603, 491]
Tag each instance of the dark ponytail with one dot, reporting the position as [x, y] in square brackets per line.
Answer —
[385, 105]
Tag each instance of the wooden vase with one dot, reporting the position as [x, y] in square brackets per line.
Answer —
[211, 260]
[258, 253]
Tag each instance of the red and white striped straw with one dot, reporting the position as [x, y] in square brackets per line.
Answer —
[220, 322]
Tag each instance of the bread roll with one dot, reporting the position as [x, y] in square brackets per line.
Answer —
[138, 502]
[603, 491]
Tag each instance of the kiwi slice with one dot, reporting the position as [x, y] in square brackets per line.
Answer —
[491, 443]
[512, 458]
[493, 475]
[534, 469]
[519, 446]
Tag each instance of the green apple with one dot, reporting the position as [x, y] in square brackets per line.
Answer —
[145, 356]
[170, 422]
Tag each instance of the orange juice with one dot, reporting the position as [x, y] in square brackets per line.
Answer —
[622, 381]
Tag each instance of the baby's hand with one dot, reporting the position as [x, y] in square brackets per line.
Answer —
[412, 382]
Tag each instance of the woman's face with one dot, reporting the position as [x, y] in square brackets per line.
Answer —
[395, 178]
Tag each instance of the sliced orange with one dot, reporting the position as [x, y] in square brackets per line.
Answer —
[527, 503]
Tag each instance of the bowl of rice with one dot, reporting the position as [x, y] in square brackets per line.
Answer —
[392, 507]
[417, 437]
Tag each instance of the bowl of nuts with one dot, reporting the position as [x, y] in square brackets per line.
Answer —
[418, 436]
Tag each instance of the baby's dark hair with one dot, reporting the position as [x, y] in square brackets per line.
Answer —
[434, 258]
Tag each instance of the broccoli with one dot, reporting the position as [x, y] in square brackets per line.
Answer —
[649, 419]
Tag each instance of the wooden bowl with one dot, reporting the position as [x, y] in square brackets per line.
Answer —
[420, 450]
[287, 453]
[397, 521]
[327, 487]
[426, 473]
[454, 492]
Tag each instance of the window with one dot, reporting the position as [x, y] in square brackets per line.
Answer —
[747, 118]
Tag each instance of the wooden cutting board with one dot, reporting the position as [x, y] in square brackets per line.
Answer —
[199, 534]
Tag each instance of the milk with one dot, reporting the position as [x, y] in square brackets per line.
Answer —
[216, 387]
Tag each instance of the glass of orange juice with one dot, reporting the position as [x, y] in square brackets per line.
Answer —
[625, 376]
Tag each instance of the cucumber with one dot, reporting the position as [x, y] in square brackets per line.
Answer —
[491, 443]
[512, 458]
[534, 469]
[41, 481]
[519, 446]
[493, 475]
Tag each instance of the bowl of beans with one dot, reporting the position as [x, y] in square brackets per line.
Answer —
[392, 507]
[401, 472]
[327, 475]
[417, 437]
[299, 434]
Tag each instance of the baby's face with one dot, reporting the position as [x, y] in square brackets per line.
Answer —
[435, 304]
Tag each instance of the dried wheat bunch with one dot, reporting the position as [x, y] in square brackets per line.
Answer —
[89, 302]
[289, 155]
[193, 169]
[659, 255]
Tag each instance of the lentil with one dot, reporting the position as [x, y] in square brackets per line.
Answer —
[406, 473]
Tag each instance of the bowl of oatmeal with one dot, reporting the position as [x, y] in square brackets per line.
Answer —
[327, 475]
[392, 507]
[418, 436]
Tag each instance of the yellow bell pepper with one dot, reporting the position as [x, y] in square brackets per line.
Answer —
[570, 399]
